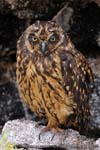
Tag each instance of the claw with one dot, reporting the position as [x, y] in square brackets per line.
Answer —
[48, 129]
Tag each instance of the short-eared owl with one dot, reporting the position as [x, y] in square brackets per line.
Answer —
[53, 77]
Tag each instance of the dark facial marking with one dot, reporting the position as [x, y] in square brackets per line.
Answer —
[54, 38]
[33, 39]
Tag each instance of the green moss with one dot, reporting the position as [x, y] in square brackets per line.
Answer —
[5, 144]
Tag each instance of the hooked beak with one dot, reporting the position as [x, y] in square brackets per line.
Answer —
[43, 47]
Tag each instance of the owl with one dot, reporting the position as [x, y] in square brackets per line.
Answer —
[53, 77]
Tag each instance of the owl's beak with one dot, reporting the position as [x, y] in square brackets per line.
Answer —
[43, 47]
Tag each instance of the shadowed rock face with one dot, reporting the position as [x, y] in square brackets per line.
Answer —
[28, 9]
[10, 106]
[10, 30]
[84, 32]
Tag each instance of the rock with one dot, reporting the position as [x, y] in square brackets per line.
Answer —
[95, 65]
[64, 17]
[83, 32]
[10, 104]
[28, 9]
[97, 142]
[7, 72]
[98, 39]
[25, 134]
[94, 103]
[10, 30]
[81, 21]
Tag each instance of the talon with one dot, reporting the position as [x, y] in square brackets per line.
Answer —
[48, 129]
[52, 129]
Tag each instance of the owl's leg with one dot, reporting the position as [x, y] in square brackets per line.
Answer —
[52, 125]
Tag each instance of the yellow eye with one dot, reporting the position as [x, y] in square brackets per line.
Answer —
[52, 38]
[34, 39]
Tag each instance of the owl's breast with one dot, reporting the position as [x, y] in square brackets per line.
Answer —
[42, 89]
[50, 66]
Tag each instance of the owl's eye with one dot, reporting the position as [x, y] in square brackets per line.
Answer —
[52, 38]
[35, 39]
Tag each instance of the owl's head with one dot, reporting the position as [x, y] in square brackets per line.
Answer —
[43, 37]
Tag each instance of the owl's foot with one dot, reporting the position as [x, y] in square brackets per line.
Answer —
[54, 130]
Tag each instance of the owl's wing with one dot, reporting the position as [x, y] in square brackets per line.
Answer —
[76, 72]
[77, 76]
[84, 67]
